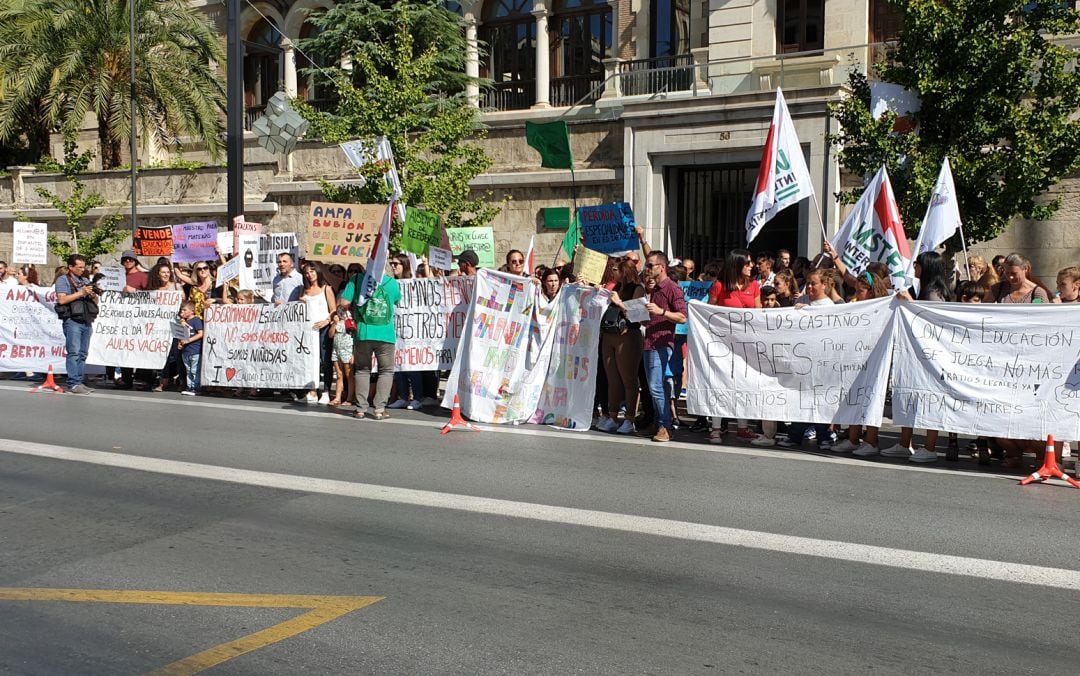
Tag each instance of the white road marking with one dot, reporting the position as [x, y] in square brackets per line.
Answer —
[1004, 571]
[795, 454]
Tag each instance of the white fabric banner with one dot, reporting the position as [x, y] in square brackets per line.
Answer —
[133, 330]
[816, 364]
[430, 319]
[1008, 371]
[262, 345]
[31, 335]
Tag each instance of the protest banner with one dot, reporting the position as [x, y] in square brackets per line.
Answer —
[816, 364]
[180, 331]
[692, 291]
[228, 271]
[247, 252]
[133, 330]
[31, 335]
[265, 266]
[154, 242]
[273, 347]
[1010, 371]
[30, 243]
[342, 233]
[420, 232]
[480, 240]
[589, 265]
[241, 228]
[194, 242]
[430, 319]
[636, 310]
[609, 228]
[225, 243]
[496, 354]
[566, 396]
[112, 279]
[441, 259]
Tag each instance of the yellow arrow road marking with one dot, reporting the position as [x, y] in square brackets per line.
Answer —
[323, 609]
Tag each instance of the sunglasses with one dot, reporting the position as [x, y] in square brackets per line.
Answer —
[202, 267]
[395, 264]
[514, 261]
[649, 266]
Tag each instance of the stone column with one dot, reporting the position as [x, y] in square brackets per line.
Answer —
[543, 58]
[472, 60]
[612, 79]
[289, 55]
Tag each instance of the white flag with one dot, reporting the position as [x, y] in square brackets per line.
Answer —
[360, 154]
[376, 267]
[874, 233]
[530, 258]
[942, 214]
[783, 178]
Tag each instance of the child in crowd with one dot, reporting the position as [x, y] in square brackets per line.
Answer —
[819, 286]
[342, 335]
[769, 298]
[1068, 286]
[191, 347]
[867, 286]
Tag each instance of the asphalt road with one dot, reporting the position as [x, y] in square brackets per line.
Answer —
[516, 551]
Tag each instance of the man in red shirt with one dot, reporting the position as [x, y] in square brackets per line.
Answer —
[667, 305]
[136, 279]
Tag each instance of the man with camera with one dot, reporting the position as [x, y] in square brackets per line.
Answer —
[77, 307]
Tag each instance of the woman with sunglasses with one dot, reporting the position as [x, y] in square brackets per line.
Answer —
[200, 287]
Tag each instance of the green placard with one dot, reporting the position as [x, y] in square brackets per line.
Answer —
[481, 240]
[557, 218]
[420, 231]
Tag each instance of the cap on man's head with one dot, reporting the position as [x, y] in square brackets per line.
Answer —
[469, 256]
[129, 254]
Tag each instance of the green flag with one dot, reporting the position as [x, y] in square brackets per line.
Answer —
[552, 141]
[573, 237]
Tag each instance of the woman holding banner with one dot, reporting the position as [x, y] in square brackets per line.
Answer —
[321, 311]
[735, 288]
[1019, 285]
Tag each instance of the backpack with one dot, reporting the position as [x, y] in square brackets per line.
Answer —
[81, 310]
[613, 321]
[376, 311]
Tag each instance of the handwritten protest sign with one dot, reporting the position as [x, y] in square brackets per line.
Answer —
[692, 291]
[194, 242]
[241, 228]
[480, 240]
[1009, 371]
[441, 259]
[153, 241]
[31, 335]
[589, 265]
[609, 228]
[270, 246]
[817, 364]
[225, 243]
[113, 279]
[133, 330]
[30, 243]
[259, 346]
[342, 233]
[228, 271]
[636, 310]
[247, 253]
[420, 231]
[429, 320]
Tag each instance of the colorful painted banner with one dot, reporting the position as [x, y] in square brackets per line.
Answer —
[342, 233]
[153, 241]
[194, 242]
[824, 364]
[273, 347]
[480, 240]
[30, 243]
[133, 330]
[430, 319]
[31, 335]
[420, 232]
[609, 228]
[1010, 371]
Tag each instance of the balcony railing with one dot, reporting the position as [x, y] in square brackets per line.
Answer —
[512, 95]
[252, 113]
[576, 89]
[660, 74]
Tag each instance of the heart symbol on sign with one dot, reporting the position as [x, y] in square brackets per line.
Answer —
[230, 373]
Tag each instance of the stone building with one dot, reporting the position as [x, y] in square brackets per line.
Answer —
[668, 103]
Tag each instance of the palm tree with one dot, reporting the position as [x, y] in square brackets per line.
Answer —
[63, 59]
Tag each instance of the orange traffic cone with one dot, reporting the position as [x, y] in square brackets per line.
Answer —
[49, 384]
[457, 421]
[1049, 468]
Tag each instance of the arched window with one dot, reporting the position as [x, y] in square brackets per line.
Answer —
[800, 25]
[581, 34]
[263, 66]
[509, 31]
[312, 87]
[669, 28]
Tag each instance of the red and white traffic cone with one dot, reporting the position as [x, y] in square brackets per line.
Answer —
[49, 384]
[1049, 468]
[456, 420]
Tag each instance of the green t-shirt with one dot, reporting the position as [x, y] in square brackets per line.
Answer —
[375, 320]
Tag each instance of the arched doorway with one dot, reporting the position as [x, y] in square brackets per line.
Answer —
[581, 34]
[263, 68]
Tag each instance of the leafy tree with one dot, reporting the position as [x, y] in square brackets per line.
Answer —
[62, 59]
[398, 88]
[102, 238]
[999, 98]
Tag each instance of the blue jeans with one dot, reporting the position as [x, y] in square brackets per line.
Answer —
[191, 366]
[77, 344]
[656, 366]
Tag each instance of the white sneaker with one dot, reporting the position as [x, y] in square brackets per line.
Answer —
[429, 402]
[414, 405]
[897, 451]
[865, 450]
[844, 446]
[311, 398]
[923, 454]
[762, 441]
[400, 403]
[324, 399]
[627, 427]
[608, 425]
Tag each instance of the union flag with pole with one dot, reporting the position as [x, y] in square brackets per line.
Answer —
[873, 232]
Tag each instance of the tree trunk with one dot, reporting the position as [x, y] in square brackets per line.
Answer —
[110, 147]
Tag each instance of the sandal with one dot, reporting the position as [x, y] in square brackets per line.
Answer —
[334, 403]
[359, 414]
[381, 415]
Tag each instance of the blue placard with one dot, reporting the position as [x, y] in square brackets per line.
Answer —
[692, 291]
[609, 228]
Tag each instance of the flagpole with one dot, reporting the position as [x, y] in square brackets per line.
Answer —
[821, 220]
[573, 213]
[963, 245]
